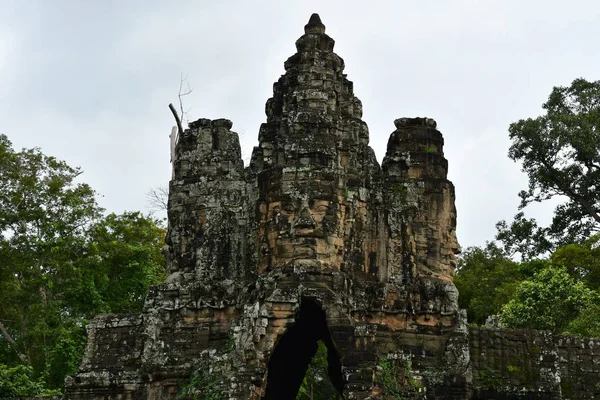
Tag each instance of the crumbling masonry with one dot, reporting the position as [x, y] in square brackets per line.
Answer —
[314, 240]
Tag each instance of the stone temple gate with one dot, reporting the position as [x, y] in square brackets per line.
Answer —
[314, 240]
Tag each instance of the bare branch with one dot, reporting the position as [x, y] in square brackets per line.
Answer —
[158, 198]
[181, 117]
[183, 93]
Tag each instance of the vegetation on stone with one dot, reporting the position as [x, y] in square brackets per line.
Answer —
[395, 377]
[202, 386]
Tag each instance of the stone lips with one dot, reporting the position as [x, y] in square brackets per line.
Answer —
[312, 241]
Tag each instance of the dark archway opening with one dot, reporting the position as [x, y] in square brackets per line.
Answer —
[295, 350]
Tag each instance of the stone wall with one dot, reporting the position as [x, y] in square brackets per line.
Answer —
[518, 364]
[33, 398]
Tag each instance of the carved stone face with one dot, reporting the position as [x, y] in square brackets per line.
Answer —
[450, 245]
[303, 223]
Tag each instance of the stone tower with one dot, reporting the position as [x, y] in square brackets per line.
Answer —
[313, 241]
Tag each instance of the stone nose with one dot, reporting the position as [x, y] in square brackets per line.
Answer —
[455, 246]
[305, 219]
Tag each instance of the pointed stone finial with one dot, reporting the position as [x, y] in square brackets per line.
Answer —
[314, 25]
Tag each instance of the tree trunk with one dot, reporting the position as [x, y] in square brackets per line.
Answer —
[13, 344]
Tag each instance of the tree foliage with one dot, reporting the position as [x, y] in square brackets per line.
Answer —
[63, 261]
[550, 300]
[316, 383]
[124, 259]
[560, 153]
[17, 382]
[559, 293]
[486, 280]
[562, 293]
[582, 261]
[587, 323]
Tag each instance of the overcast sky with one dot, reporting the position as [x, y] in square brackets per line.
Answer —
[89, 81]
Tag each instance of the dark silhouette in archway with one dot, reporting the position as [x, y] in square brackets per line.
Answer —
[295, 350]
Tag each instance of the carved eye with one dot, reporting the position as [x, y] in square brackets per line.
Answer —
[322, 208]
[289, 208]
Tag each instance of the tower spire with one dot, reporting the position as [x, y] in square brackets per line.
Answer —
[314, 25]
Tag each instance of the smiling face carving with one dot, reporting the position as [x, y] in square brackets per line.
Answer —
[306, 223]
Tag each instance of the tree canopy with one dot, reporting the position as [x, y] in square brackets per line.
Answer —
[486, 280]
[550, 300]
[63, 261]
[560, 153]
[557, 285]
[560, 293]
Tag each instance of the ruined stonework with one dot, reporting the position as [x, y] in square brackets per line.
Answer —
[314, 240]
[533, 365]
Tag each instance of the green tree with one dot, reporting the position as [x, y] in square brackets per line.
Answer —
[560, 153]
[486, 280]
[550, 300]
[62, 262]
[17, 382]
[316, 383]
[44, 214]
[587, 323]
[582, 261]
[524, 236]
[124, 258]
